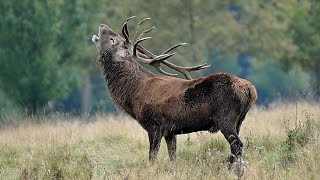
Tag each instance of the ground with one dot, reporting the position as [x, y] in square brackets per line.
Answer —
[281, 141]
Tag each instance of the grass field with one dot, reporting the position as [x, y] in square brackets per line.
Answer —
[280, 142]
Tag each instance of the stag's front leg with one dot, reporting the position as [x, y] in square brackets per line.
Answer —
[172, 146]
[155, 136]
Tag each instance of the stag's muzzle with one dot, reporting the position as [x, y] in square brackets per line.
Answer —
[95, 38]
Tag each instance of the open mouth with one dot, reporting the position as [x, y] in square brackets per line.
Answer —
[95, 38]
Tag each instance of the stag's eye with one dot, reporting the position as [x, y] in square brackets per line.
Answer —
[112, 40]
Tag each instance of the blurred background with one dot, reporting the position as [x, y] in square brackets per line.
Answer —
[48, 63]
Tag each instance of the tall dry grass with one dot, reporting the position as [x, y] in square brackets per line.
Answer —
[281, 142]
[278, 117]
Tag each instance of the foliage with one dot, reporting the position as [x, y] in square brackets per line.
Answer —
[274, 84]
[99, 101]
[305, 32]
[46, 51]
[7, 107]
[254, 27]
[40, 48]
[224, 64]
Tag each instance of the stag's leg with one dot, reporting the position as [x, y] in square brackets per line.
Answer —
[241, 118]
[236, 145]
[236, 148]
[155, 136]
[172, 146]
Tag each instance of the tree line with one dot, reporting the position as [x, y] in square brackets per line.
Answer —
[48, 62]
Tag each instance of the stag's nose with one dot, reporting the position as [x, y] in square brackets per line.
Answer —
[103, 25]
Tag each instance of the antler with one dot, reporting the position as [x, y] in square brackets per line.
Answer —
[125, 31]
[183, 70]
[157, 60]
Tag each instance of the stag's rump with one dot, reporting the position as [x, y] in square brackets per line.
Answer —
[220, 90]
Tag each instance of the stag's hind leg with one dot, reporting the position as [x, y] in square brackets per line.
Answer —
[172, 146]
[235, 144]
[155, 136]
[229, 131]
[241, 118]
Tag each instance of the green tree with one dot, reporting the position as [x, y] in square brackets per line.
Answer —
[305, 31]
[255, 28]
[273, 83]
[40, 41]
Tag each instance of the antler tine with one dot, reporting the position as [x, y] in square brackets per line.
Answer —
[125, 31]
[144, 20]
[145, 31]
[186, 70]
[183, 70]
[198, 67]
[155, 61]
[162, 57]
[137, 43]
[174, 47]
[151, 55]
[145, 51]
[130, 18]
[138, 26]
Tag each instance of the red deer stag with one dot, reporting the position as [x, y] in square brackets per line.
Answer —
[166, 106]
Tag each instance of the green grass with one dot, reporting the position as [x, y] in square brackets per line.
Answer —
[117, 148]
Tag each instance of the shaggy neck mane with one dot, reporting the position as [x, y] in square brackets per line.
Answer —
[122, 78]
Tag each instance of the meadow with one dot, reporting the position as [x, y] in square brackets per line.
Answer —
[281, 141]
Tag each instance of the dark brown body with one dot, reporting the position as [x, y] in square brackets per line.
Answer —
[166, 106]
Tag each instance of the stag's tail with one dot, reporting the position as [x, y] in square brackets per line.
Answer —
[252, 93]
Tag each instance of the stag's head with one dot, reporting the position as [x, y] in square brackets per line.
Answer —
[108, 42]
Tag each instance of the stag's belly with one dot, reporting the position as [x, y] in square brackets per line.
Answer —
[191, 119]
[202, 125]
[178, 118]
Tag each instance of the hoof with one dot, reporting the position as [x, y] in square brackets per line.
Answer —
[238, 167]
